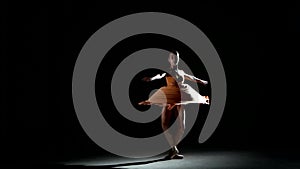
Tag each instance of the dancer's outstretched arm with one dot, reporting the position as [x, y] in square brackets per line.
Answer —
[194, 79]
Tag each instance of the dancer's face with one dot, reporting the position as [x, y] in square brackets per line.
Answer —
[173, 59]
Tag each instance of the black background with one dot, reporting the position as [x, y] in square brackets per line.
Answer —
[43, 40]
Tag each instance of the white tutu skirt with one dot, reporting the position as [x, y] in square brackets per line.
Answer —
[172, 94]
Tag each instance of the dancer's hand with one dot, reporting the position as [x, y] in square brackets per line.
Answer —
[202, 82]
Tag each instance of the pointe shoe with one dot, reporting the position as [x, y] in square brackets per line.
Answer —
[177, 156]
[173, 154]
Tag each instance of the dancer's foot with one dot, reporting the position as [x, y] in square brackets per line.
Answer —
[170, 154]
[175, 150]
[173, 154]
[177, 156]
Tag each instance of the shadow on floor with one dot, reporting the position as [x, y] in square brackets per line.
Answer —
[109, 165]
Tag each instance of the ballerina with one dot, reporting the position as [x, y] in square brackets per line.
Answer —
[172, 98]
